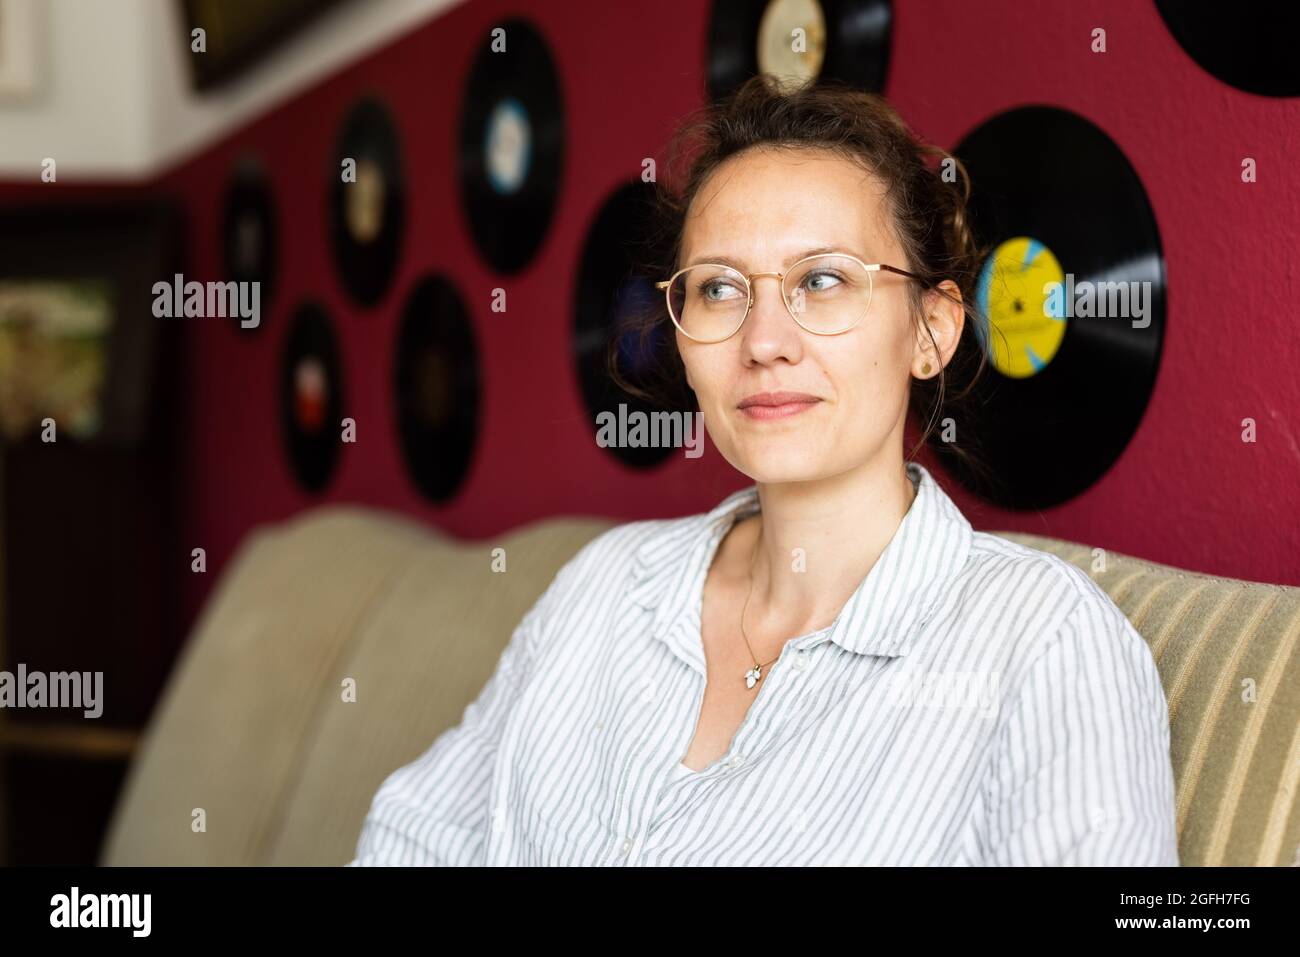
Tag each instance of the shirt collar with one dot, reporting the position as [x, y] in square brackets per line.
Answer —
[930, 545]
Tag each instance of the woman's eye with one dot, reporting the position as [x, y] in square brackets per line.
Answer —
[820, 281]
[716, 290]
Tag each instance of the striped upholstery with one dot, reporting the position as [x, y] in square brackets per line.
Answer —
[1228, 652]
[254, 728]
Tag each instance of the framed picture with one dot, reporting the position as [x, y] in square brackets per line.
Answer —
[79, 342]
[22, 43]
[239, 32]
[54, 337]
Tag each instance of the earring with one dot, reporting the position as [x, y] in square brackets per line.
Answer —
[925, 367]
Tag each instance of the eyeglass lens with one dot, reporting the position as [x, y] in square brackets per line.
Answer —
[825, 294]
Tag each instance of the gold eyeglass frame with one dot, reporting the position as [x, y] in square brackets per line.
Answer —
[666, 285]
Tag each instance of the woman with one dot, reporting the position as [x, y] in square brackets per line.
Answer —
[831, 666]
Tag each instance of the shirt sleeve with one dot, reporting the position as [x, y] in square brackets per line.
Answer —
[1081, 774]
[435, 811]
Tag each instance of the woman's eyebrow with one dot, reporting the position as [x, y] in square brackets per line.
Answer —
[791, 260]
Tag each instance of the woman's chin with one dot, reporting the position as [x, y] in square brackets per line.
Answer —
[779, 468]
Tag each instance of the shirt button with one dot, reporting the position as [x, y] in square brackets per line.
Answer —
[736, 761]
[627, 846]
[801, 660]
[648, 694]
[600, 725]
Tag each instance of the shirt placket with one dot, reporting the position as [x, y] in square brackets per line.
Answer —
[641, 790]
[763, 719]
[636, 810]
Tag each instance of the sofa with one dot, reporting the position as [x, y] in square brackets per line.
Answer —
[339, 644]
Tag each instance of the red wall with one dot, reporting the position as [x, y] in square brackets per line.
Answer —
[1187, 491]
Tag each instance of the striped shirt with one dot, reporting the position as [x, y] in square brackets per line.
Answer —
[975, 702]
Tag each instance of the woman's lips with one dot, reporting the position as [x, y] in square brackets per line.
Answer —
[777, 406]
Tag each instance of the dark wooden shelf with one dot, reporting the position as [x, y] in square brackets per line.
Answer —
[69, 740]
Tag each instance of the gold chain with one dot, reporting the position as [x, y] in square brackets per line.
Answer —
[753, 676]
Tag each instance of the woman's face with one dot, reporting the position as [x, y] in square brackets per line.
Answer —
[761, 211]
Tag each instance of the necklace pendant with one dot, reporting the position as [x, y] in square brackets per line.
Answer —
[752, 676]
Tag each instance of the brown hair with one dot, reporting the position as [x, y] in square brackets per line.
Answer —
[928, 207]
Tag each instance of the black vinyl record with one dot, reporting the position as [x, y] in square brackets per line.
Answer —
[248, 233]
[610, 292]
[1074, 288]
[311, 396]
[367, 211]
[846, 40]
[511, 145]
[436, 388]
[1249, 44]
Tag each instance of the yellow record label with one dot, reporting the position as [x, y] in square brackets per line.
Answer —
[1020, 289]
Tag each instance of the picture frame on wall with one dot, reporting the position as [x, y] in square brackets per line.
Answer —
[79, 343]
[22, 45]
[238, 33]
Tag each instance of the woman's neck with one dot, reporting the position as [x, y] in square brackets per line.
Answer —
[813, 543]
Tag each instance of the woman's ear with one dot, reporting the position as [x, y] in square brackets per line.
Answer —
[937, 340]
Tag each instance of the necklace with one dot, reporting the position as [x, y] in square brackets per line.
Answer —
[753, 675]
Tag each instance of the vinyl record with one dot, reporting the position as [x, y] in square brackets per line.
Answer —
[248, 233]
[436, 388]
[311, 396]
[367, 203]
[511, 145]
[1074, 288]
[1249, 44]
[799, 41]
[609, 293]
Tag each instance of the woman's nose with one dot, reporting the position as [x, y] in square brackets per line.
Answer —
[769, 326]
[767, 297]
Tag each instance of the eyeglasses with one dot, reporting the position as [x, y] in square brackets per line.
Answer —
[826, 294]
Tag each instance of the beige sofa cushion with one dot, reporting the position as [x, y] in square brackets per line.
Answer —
[419, 657]
[255, 730]
[253, 727]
